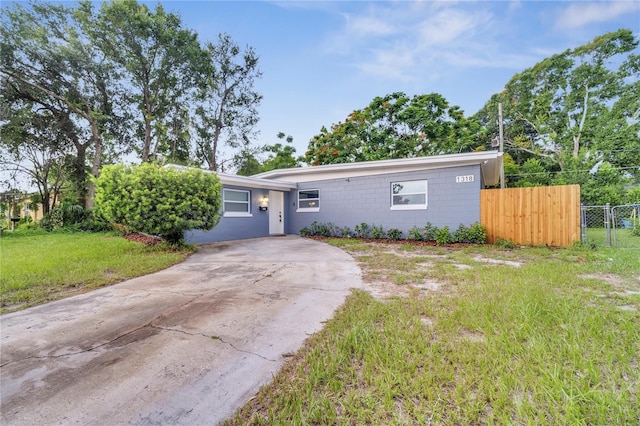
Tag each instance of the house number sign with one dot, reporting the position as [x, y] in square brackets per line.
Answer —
[464, 179]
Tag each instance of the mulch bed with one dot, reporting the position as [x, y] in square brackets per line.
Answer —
[390, 241]
[148, 240]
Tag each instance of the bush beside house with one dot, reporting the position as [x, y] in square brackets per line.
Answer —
[159, 201]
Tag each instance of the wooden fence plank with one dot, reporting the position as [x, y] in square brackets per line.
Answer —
[548, 215]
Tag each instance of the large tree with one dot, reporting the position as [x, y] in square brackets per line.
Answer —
[575, 110]
[395, 126]
[280, 156]
[227, 111]
[160, 62]
[46, 59]
[35, 145]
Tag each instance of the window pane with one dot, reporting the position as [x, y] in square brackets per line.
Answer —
[302, 195]
[236, 207]
[411, 187]
[409, 199]
[308, 204]
[236, 195]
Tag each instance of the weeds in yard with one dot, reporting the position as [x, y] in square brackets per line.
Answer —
[543, 342]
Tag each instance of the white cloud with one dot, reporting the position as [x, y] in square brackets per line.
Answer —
[394, 64]
[451, 26]
[580, 14]
[364, 26]
[400, 41]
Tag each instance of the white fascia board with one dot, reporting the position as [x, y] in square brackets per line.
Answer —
[487, 159]
[252, 182]
[245, 181]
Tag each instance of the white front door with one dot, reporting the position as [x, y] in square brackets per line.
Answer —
[276, 213]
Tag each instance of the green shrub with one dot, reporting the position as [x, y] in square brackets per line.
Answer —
[505, 244]
[443, 236]
[345, 232]
[319, 230]
[377, 231]
[394, 234]
[305, 232]
[157, 200]
[429, 232]
[475, 234]
[362, 230]
[414, 234]
[54, 219]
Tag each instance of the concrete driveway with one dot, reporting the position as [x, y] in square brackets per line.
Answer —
[187, 345]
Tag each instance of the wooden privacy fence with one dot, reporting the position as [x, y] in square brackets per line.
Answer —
[545, 215]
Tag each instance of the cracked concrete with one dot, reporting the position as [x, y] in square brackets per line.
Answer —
[187, 345]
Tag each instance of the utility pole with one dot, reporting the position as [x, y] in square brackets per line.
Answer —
[501, 144]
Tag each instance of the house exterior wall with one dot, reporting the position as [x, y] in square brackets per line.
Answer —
[368, 198]
[237, 228]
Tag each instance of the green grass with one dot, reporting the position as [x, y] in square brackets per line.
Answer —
[554, 341]
[36, 267]
[620, 238]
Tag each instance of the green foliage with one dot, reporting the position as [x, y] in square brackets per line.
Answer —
[505, 244]
[39, 266]
[574, 112]
[533, 173]
[281, 156]
[394, 234]
[426, 233]
[633, 195]
[443, 236]
[158, 201]
[377, 231]
[162, 63]
[345, 232]
[54, 219]
[475, 234]
[395, 126]
[362, 230]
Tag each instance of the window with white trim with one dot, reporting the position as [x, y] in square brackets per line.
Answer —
[409, 195]
[309, 200]
[236, 202]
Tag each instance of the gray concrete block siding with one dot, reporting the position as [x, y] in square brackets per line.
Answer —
[348, 202]
[355, 193]
[237, 228]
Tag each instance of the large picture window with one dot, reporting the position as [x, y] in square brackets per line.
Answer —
[409, 195]
[309, 200]
[236, 202]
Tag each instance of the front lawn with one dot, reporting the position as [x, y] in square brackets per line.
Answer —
[38, 267]
[476, 335]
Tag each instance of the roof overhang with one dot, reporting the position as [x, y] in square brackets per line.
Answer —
[490, 163]
[244, 181]
[254, 182]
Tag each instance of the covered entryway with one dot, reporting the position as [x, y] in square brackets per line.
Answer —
[276, 213]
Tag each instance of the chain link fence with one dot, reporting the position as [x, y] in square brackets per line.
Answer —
[617, 226]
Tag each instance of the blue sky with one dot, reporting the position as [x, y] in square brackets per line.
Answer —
[321, 60]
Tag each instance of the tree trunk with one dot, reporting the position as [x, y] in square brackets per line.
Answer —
[97, 162]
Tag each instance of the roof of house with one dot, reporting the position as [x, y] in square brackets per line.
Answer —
[244, 181]
[489, 161]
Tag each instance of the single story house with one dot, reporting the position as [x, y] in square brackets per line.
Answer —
[399, 193]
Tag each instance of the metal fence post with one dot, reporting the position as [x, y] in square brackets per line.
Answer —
[583, 224]
[607, 224]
